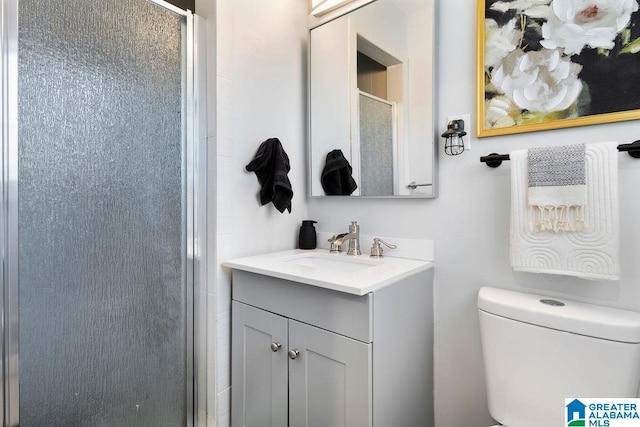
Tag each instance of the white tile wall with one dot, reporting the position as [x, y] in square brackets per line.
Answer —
[223, 351]
[225, 215]
[224, 52]
[211, 354]
[259, 77]
[224, 408]
[225, 250]
[203, 329]
[225, 173]
[224, 291]
[225, 116]
[201, 418]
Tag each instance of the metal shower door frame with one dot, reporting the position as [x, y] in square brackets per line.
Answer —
[193, 187]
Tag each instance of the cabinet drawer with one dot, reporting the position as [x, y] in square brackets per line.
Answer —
[339, 312]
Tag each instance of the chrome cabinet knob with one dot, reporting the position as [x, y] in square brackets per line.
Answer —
[275, 346]
[293, 354]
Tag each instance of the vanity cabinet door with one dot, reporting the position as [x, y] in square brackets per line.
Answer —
[329, 379]
[259, 368]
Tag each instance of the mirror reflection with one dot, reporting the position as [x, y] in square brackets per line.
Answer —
[371, 128]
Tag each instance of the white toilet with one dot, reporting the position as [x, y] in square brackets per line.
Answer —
[540, 350]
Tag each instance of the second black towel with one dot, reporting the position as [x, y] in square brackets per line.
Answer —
[336, 176]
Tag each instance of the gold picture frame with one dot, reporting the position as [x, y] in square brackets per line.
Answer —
[534, 74]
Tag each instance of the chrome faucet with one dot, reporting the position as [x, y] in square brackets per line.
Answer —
[353, 236]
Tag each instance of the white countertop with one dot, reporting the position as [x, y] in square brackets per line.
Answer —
[339, 272]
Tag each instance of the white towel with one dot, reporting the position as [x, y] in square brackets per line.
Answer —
[592, 253]
[557, 191]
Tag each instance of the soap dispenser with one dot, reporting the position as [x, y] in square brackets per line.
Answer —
[307, 236]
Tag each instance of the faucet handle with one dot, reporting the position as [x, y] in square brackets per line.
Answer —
[336, 244]
[376, 248]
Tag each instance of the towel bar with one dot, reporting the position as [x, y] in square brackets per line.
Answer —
[494, 160]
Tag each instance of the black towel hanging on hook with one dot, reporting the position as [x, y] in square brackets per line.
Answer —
[271, 165]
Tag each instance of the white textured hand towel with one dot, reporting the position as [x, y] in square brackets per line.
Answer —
[557, 191]
[592, 253]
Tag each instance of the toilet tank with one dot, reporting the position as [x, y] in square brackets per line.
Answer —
[540, 350]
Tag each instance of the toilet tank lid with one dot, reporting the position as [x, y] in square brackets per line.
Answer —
[569, 316]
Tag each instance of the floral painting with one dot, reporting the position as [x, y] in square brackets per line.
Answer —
[546, 64]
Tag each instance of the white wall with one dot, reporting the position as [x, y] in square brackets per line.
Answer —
[257, 77]
[470, 224]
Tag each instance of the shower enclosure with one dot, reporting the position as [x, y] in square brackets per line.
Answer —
[98, 228]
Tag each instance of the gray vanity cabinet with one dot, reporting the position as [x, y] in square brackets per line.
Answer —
[324, 381]
[304, 356]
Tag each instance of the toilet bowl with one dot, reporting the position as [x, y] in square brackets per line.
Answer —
[539, 350]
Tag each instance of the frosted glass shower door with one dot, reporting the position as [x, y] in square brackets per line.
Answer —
[377, 145]
[103, 270]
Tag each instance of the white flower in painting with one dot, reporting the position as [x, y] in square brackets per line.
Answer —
[541, 81]
[531, 8]
[499, 41]
[574, 24]
[500, 112]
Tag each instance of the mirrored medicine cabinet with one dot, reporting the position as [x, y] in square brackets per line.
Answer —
[371, 96]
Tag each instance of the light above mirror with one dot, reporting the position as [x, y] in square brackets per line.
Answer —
[320, 7]
[371, 101]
